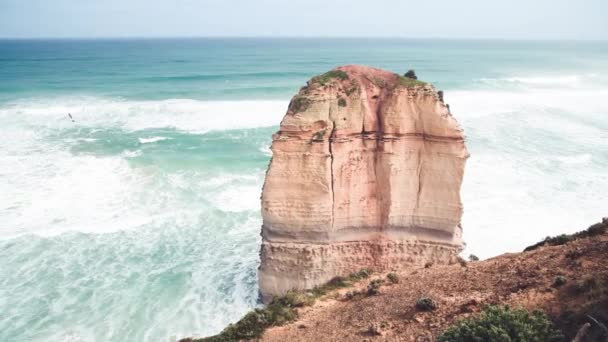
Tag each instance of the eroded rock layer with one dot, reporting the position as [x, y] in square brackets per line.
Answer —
[366, 172]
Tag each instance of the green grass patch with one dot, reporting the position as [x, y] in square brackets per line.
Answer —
[298, 104]
[279, 312]
[327, 77]
[409, 82]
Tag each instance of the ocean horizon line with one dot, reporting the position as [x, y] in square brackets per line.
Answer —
[278, 37]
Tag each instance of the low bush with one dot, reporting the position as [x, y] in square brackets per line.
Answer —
[559, 281]
[594, 230]
[373, 289]
[411, 74]
[473, 257]
[440, 95]
[502, 324]
[298, 104]
[589, 284]
[319, 135]
[352, 295]
[279, 312]
[363, 273]
[426, 304]
[393, 277]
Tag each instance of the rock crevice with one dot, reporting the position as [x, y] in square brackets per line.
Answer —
[366, 172]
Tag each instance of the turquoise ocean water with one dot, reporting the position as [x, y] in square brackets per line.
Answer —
[140, 220]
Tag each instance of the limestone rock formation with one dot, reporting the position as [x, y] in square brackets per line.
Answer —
[366, 173]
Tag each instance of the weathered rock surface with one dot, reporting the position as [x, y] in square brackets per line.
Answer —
[366, 172]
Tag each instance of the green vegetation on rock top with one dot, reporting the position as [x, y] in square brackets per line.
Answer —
[409, 82]
[330, 75]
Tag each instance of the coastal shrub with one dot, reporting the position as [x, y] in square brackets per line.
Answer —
[411, 74]
[294, 299]
[393, 277]
[279, 312]
[282, 310]
[341, 102]
[426, 304]
[374, 330]
[593, 230]
[473, 257]
[379, 82]
[361, 274]
[428, 265]
[250, 326]
[319, 135]
[298, 104]
[328, 76]
[589, 284]
[559, 281]
[352, 89]
[318, 291]
[338, 282]
[373, 289]
[352, 295]
[502, 324]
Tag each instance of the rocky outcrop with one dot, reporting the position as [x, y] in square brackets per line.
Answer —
[366, 172]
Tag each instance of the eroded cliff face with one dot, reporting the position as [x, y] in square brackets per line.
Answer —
[366, 172]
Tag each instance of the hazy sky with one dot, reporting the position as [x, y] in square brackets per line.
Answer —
[510, 19]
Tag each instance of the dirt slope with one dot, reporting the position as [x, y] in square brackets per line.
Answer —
[519, 280]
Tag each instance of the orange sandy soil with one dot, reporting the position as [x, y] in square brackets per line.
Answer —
[518, 280]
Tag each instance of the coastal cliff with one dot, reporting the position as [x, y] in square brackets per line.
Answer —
[366, 173]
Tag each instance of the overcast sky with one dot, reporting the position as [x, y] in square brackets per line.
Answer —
[508, 19]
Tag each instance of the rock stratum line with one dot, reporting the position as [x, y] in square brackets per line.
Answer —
[366, 173]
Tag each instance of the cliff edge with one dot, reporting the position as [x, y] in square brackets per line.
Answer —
[566, 277]
[366, 173]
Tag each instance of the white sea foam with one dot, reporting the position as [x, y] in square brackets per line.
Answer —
[537, 164]
[54, 192]
[565, 81]
[182, 114]
[152, 140]
[266, 150]
[467, 103]
[132, 154]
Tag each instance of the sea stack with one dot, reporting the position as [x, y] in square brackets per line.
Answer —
[366, 173]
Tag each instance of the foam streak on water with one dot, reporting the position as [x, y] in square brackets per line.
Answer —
[140, 220]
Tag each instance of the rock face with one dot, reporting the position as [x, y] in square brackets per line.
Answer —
[366, 173]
